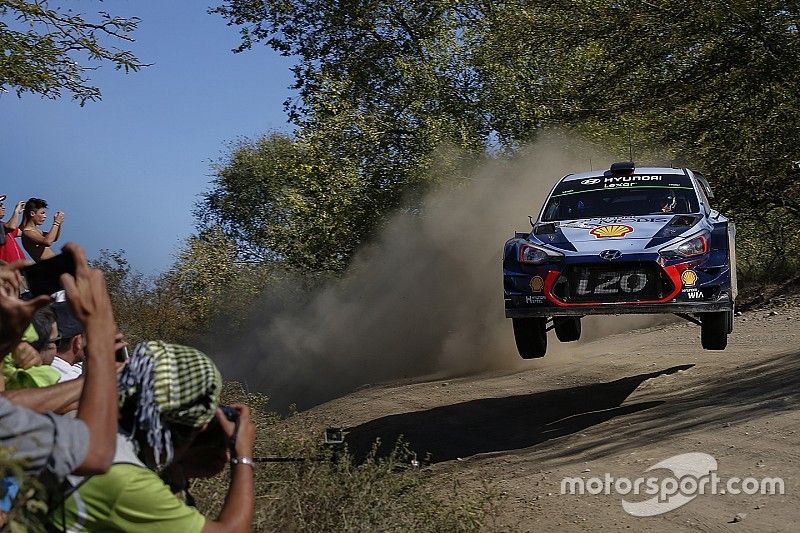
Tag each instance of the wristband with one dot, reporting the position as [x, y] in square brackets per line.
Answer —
[243, 461]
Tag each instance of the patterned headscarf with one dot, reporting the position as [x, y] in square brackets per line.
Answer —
[172, 384]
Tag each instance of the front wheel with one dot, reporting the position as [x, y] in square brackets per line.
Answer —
[531, 336]
[714, 329]
[568, 329]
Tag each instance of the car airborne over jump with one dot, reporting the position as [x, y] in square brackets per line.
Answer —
[627, 240]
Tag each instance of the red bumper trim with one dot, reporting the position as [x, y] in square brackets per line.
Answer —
[673, 272]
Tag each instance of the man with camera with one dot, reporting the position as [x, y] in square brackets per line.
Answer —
[170, 421]
[36, 242]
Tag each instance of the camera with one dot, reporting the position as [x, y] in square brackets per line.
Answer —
[333, 436]
[43, 277]
[230, 413]
[121, 355]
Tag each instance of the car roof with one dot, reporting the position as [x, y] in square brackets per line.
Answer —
[638, 170]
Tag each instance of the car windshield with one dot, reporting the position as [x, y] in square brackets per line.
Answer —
[616, 196]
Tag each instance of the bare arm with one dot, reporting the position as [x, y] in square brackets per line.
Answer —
[13, 222]
[44, 239]
[89, 301]
[56, 398]
[237, 511]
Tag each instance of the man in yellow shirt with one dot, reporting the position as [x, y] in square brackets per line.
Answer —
[168, 395]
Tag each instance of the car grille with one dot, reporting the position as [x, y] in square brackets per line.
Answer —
[618, 282]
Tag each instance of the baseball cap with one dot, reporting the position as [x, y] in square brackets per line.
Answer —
[68, 325]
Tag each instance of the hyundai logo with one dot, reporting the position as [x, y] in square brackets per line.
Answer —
[590, 181]
[610, 255]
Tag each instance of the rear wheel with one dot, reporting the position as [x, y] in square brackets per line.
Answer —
[531, 336]
[568, 329]
[714, 329]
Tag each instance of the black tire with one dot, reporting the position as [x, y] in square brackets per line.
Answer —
[714, 328]
[568, 329]
[531, 336]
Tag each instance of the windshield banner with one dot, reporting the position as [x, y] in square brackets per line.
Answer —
[619, 182]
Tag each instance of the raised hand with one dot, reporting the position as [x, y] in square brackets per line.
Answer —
[86, 291]
[15, 314]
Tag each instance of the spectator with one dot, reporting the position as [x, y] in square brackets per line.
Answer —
[36, 243]
[69, 357]
[168, 396]
[44, 322]
[9, 249]
[28, 365]
[50, 445]
[26, 380]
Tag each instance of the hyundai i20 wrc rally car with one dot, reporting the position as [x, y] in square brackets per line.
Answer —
[626, 240]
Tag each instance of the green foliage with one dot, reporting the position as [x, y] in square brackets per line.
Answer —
[384, 85]
[204, 284]
[41, 45]
[713, 84]
[280, 203]
[766, 247]
[210, 283]
[144, 308]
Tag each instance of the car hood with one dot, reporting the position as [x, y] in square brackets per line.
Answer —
[605, 229]
[621, 233]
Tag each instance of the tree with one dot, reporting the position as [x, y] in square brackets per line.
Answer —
[42, 46]
[715, 85]
[382, 87]
[144, 308]
[281, 200]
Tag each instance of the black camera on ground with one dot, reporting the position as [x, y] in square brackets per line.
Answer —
[333, 436]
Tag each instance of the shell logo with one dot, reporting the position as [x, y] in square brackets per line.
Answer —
[689, 278]
[537, 283]
[613, 230]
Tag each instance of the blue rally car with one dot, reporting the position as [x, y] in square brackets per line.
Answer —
[626, 240]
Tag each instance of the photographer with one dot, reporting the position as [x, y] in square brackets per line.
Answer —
[9, 249]
[36, 242]
[169, 401]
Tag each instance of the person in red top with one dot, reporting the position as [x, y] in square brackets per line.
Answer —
[9, 249]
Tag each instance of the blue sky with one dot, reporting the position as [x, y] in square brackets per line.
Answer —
[127, 170]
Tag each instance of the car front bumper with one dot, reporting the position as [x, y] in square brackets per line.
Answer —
[523, 311]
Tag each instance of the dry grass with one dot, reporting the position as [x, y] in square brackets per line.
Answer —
[330, 492]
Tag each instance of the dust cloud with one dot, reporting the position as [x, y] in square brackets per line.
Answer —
[425, 299]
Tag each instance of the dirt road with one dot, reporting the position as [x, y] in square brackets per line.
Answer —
[617, 405]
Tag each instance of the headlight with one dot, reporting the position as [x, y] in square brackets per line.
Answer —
[536, 255]
[690, 247]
